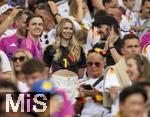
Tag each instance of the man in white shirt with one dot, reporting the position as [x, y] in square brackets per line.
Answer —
[92, 86]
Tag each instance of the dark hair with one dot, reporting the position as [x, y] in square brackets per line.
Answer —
[32, 66]
[129, 37]
[5, 84]
[120, 8]
[134, 89]
[143, 2]
[100, 13]
[106, 1]
[144, 84]
[33, 16]
[26, 12]
[8, 85]
[45, 7]
[143, 66]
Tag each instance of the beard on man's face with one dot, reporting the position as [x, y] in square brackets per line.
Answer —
[104, 36]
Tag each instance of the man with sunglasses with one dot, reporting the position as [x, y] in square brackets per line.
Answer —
[91, 87]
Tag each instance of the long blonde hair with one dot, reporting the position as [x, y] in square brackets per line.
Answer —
[73, 45]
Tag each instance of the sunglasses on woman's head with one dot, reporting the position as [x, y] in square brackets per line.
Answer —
[21, 58]
[97, 64]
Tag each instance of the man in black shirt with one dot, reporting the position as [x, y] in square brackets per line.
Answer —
[110, 39]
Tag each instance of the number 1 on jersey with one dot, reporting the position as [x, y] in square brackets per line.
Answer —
[65, 63]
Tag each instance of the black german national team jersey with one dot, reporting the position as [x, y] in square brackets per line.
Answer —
[66, 61]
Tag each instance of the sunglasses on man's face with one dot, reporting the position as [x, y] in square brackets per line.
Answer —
[21, 58]
[96, 64]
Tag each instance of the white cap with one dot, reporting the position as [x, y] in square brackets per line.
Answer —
[4, 8]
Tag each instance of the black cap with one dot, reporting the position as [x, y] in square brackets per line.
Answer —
[108, 20]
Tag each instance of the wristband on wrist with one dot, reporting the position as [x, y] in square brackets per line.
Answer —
[111, 47]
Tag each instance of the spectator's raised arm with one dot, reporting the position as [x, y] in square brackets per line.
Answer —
[54, 11]
[7, 22]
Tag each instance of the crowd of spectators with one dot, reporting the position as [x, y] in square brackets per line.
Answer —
[90, 58]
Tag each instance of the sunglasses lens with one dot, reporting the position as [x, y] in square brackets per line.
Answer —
[21, 58]
[97, 64]
[90, 64]
[14, 59]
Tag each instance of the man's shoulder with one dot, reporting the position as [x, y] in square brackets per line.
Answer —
[14, 36]
[99, 45]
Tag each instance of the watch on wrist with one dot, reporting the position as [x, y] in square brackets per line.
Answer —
[56, 14]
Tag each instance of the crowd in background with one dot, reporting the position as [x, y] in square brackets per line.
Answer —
[91, 57]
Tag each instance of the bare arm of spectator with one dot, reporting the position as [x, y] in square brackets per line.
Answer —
[97, 4]
[116, 56]
[6, 23]
[111, 40]
[54, 10]
[80, 10]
